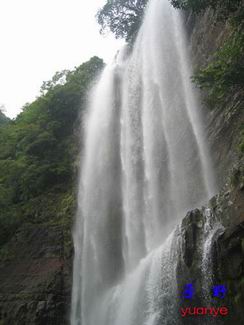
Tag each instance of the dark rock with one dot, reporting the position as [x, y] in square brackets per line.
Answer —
[41, 306]
[226, 256]
[35, 285]
[190, 232]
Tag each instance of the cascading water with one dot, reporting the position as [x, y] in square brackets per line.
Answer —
[212, 230]
[145, 164]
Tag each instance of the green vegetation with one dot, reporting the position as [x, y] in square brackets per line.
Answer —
[225, 74]
[223, 77]
[3, 119]
[122, 17]
[224, 8]
[39, 152]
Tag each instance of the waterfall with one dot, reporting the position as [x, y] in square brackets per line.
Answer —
[145, 163]
[212, 230]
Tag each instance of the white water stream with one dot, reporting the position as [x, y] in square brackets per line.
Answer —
[145, 163]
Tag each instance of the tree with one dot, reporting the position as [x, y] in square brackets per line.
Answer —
[224, 8]
[39, 150]
[122, 17]
[58, 78]
[224, 75]
[3, 118]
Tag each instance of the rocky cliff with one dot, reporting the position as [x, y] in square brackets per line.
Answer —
[211, 253]
[35, 277]
[224, 120]
[211, 238]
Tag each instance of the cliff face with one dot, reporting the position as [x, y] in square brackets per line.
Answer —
[211, 250]
[35, 277]
[224, 120]
[211, 253]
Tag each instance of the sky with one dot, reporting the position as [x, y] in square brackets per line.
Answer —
[40, 37]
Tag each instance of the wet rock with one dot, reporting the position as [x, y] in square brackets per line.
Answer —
[241, 187]
[229, 268]
[226, 255]
[190, 233]
[41, 306]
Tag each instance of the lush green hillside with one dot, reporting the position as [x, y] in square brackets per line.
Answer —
[39, 152]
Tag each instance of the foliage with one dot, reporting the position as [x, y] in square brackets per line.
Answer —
[223, 77]
[224, 8]
[3, 119]
[225, 74]
[38, 150]
[122, 17]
